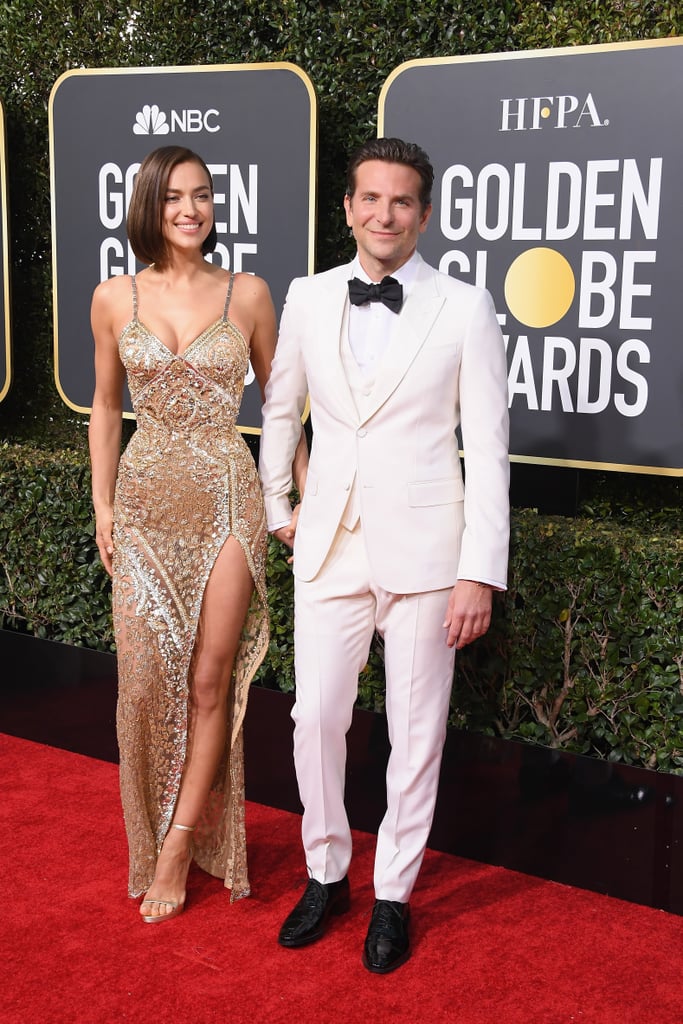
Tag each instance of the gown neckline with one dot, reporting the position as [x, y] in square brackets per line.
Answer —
[202, 334]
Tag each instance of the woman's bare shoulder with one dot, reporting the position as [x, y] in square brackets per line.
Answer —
[112, 305]
[250, 286]
[113, 292]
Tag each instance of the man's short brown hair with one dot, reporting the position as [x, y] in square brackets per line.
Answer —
[393, 151]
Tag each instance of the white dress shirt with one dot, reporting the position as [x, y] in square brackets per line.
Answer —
[371, 325]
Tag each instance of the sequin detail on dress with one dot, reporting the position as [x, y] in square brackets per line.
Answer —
[186, 482]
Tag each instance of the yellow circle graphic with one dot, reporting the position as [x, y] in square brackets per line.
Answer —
[539, 287]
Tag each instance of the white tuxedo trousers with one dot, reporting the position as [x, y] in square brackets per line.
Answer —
[335, 617]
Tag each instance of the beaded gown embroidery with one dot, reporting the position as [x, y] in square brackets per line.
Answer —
[186, 482]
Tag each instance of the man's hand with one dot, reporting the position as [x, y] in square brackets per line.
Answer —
[469, 612]
[286, 533]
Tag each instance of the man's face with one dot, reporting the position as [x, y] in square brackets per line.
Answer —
[385, 215]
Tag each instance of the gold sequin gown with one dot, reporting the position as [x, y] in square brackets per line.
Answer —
[186, 482]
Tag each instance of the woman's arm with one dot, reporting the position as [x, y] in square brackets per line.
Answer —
[104, 433]
[261, 315]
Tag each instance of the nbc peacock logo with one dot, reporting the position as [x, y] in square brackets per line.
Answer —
[151, 121]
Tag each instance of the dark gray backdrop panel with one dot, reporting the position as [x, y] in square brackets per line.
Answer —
[264, 116]
[454, 109]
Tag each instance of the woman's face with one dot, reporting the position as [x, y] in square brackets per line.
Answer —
[187, 215]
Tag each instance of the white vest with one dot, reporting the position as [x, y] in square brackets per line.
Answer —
[361, 385]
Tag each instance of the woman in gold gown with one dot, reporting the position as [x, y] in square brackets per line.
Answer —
[180, 526]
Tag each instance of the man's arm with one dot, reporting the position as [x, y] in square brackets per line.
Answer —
[485, 435]
[485, 431]
[283, 452]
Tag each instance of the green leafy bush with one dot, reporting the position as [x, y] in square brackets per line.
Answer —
[52, 584]
[584, 652]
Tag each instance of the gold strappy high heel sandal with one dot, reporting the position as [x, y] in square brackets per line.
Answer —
[176, 908]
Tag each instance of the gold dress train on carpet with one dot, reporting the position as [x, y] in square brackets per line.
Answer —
[186, 483]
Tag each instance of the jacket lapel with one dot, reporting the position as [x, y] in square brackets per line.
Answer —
[332, 303]
[415, 321]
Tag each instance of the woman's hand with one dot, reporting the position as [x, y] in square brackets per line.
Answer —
[286, 533]
[103, 537]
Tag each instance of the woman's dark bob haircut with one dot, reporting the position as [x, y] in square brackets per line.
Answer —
[144, 224]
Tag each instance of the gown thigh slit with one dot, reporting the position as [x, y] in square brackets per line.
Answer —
[186, 483]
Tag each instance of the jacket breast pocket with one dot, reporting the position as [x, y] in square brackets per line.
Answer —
[435, 492]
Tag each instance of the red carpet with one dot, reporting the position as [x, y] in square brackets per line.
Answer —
[490, 946]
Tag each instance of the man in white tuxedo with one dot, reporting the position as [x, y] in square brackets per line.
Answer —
[388, 537]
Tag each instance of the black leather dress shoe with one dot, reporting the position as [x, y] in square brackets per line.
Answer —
[308, 921]
[387, 944]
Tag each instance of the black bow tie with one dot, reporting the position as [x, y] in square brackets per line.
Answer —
[388, 291]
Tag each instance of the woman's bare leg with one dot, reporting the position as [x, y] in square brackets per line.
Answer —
[224, 609]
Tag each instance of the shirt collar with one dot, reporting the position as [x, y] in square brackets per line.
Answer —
[405, 274]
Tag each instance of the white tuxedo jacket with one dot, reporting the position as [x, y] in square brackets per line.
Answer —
[445, 367]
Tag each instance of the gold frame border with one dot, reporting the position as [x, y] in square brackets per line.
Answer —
[559, 51]
[553, 51]
[5, 255]
[176, 69]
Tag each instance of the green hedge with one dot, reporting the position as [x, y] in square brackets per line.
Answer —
[52, 584]
[584, 652]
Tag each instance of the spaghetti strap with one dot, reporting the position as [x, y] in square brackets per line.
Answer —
[135, 298]
[227, 297]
